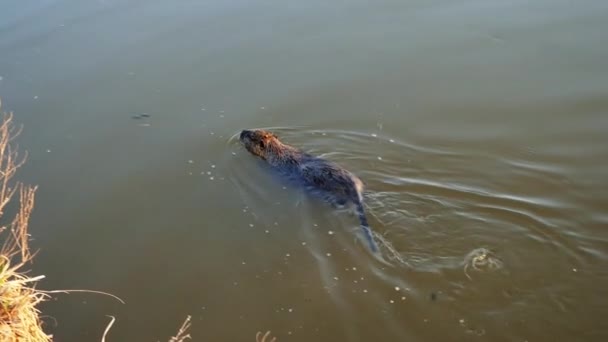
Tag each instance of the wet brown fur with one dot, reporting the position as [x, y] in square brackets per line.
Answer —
[334, 183]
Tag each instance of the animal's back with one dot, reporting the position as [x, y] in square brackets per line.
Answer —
[336, 185]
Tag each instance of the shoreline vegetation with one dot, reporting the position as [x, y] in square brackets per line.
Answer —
[19, 297]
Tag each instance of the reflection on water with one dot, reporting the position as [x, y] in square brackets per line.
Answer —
[477, 126]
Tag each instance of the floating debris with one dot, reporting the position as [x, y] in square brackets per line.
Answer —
[481, 259]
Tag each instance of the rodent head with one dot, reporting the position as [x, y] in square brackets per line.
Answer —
[258, 141]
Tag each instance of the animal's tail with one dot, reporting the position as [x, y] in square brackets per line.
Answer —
[366, 229]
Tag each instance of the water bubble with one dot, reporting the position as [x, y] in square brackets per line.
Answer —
[330, 232]
[251, 225]
[328, 254]
[374, 135]
[397, 288]
[391, 140]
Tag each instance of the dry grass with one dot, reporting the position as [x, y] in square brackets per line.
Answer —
[182, 334]
[259, 337]
[19, 316]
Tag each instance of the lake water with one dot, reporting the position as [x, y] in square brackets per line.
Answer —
[479, 127]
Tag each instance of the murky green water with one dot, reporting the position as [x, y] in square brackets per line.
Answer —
[478, 126]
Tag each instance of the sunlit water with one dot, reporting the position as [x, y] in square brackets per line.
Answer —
[478, 127]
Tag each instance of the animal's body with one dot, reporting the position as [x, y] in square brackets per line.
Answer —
[321, 177]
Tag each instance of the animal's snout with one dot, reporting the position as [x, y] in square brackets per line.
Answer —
[244, 133]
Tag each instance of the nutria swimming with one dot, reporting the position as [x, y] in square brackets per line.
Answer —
[322, 177]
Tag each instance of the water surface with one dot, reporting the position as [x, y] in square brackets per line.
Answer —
[479, 128]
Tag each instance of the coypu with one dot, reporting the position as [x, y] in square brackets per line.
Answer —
[321, 177]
